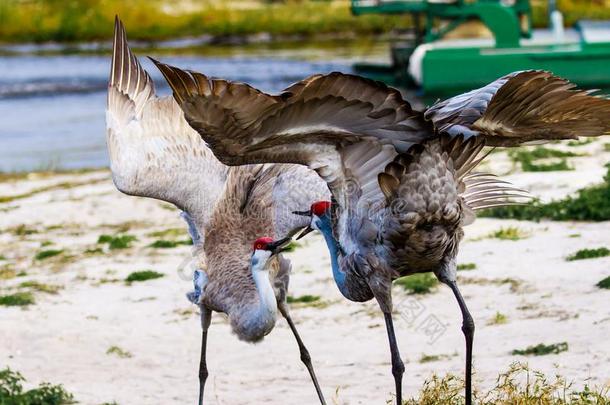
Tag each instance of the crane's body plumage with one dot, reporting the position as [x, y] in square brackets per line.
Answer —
[246, 210]
[402, 181]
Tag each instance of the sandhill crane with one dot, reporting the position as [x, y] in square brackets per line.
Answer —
[154, 153]
[401, 179]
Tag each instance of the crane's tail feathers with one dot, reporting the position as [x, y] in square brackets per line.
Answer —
[485, 190]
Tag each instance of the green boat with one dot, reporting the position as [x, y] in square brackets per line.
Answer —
[430, 61]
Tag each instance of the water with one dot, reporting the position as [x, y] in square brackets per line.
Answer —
[52, 106]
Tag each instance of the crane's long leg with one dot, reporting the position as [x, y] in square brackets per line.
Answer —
[398, 367]
[305, 357]
[206, 318]
[468, 329]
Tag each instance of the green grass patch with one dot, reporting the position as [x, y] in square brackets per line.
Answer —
[12, 392]
[104, 239]
[107, 280]
[429, 358]
[22, 230]
[117, 351]
[559, 166]
[515, 285]
[168, 244]
[19, 299]
[58, 186]
[581, 142]
[313, 301]
[41, 287]
[605, 283]
[519, 385]
[45, 254]
[498, 319]
[589, 254]
[170, 238]
[7, 272]
[143, 275]
[541, 152]
[541, 349]
[607, 147]
[117, 241]
[466, 266]
[509, 233]
[588, 204]
[171, 233]
[529, 159]
[303, 299]
[421, 283]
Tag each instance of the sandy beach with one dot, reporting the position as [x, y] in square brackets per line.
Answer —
[65, 336]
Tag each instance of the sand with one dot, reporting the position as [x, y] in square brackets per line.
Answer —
[64, 337]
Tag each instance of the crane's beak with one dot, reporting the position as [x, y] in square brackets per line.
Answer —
[309, 228]
[279, 245]
[305, 232]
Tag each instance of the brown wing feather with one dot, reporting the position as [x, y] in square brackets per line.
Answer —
[245, 125]
[539, 106]
[523, 107]
[313, 122]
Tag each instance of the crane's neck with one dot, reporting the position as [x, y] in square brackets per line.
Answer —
[193, 231]
[267, 309]
[324, 225]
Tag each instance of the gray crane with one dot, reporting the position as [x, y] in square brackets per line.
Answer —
[402, 180]
[154, 153]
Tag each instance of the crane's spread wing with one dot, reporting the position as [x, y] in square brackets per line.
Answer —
[313, 122]
[523, 107]
[153, 151]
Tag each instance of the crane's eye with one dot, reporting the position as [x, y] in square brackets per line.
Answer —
[259, 246]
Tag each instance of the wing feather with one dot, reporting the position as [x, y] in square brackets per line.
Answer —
[153, 151]
[523, 107]
[312, 122]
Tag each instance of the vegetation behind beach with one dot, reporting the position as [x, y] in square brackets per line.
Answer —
[151, 20]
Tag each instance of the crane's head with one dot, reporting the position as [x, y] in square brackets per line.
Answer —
[319, 211]
[264, 248]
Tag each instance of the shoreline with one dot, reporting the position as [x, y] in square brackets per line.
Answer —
[262, 40]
